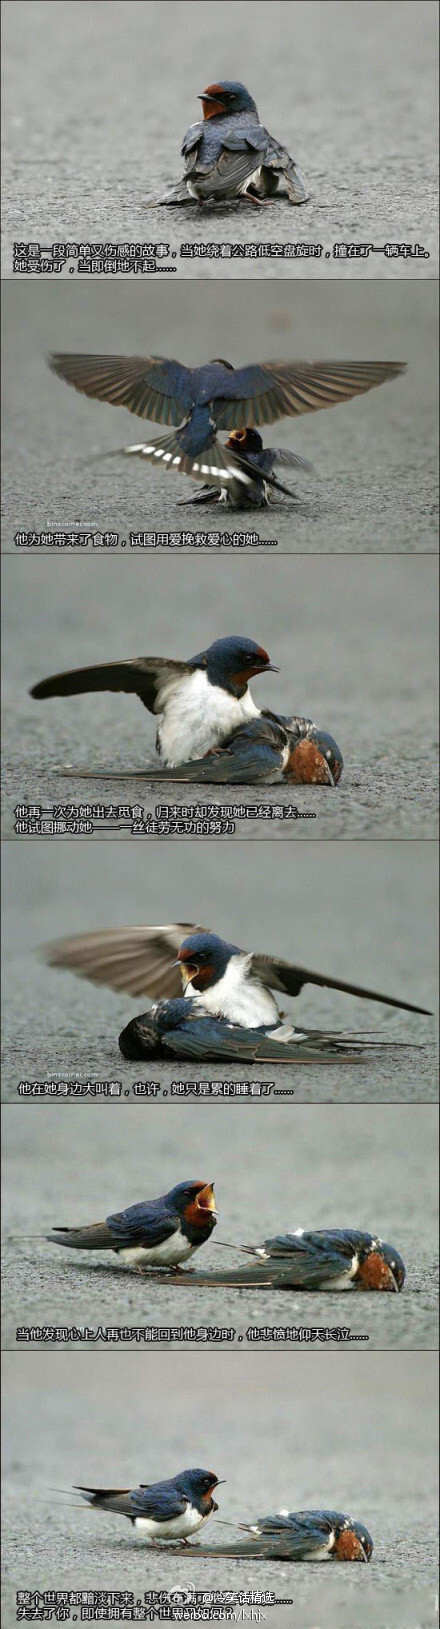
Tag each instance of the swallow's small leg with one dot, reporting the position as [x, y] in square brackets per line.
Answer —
[251, 198]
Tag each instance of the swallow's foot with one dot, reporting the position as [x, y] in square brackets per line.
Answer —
[252, 198]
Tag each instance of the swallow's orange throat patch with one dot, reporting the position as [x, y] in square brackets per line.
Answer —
[214, 106]
[348, 1547]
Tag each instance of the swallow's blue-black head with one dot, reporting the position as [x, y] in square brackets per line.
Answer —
[231, 662]
[193, 1201]
[197, 1486]
[227, 96]
[203, 959]
[395, 1264]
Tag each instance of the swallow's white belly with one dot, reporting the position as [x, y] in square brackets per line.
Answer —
[168, 1254]
[238, 997]
[177, 1527]
[196, 716]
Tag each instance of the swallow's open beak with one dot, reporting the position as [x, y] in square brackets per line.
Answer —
[270, 668]
[188, 969]
[205, 1199]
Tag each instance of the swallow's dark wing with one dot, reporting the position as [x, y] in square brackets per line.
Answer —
[341, 1241]
[306, 1268]
[144, 676]
[253, 754]
[214, 1038]
[266, 391]
[160, 1503]
[272, 457]
[279, 168]
[280, 975]
[279, 1540]
[152, 386]
[148, 1224]
[230, 171]
[137, 960]
[191, 140]
[309, 1528]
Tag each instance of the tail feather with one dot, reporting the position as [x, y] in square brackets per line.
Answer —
[215, 463]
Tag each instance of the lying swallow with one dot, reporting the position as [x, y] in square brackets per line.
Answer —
[228, 1009]
[155, 1233]
[231, 155]
[333, 1259]
[264, 751]
[303, 1535]
[202, 704]
[202, 401]
[248, 444]
[161, 1510]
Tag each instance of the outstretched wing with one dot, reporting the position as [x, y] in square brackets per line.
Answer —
[144, 676]
[137, 960]
[266, 391]
[154, 387]
[285, 976]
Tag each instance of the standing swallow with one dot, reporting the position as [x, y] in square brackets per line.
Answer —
[216, 396]
[333, 1259]
[303, 1535]
[161, 1510]
[200, 702]
[204, 705]
[155, 1233]
[231, 155]
[227, 1010]
[248, 445]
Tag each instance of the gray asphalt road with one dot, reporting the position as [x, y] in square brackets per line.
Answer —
[357, 649]
[309, 1167]
[375, 485]
[297, 1431]
[97, 99]
[366, 910]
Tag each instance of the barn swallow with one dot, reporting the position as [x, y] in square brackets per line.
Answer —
[268, 750]
[155, 1233]
[231, 155]
[216, 396]
[333, 1259]
[227, 1010]
[205, 704]
[248, 444]
[303, 1535]
[161, 1510]
[236, 493]
[200, 702]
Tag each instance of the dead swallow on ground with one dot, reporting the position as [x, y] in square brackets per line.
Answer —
[303, 1535]
[330, 1259]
